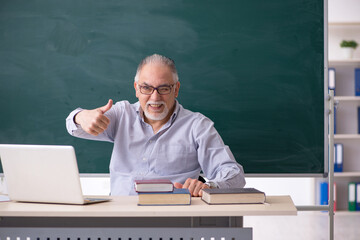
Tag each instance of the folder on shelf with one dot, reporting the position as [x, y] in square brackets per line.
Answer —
[339, 156]
[352, 196]
[358, 120]
[334, 120]
[357, 81]
[331, 86]
[357, 196]
[324, 193]
[331, 81]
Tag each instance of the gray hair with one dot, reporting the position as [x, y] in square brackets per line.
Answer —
[156, 58]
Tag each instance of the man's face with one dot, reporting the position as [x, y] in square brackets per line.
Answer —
[155, 106]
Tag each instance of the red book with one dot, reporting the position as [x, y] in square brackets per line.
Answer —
[154, 185]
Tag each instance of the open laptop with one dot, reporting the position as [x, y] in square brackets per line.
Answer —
[43, 173]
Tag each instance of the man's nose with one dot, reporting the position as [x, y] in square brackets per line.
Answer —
[155, 95]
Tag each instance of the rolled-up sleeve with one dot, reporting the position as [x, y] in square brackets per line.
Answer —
[77, 131]
[71, 126]
[216, 159]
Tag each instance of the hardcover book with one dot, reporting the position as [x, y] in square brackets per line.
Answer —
[233, 196]
[180, 196]
[154, 185]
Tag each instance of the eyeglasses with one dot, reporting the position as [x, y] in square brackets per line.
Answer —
[162, 90]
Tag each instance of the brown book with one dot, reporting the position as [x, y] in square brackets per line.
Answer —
[232, 196]
[180, 196]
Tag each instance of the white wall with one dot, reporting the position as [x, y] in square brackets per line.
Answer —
[301, 190]
[343, 11]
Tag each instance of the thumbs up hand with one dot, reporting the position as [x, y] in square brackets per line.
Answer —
[94, 121]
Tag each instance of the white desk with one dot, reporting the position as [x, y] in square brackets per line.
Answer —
[119, 217]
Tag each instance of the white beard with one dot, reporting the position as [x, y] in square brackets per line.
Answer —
[156, 116]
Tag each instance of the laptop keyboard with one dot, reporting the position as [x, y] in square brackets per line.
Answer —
[90, 200]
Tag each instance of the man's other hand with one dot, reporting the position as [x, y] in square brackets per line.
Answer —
[193, 185]
[94, 121]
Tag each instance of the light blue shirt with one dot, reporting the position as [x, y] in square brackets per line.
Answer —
[185, 145]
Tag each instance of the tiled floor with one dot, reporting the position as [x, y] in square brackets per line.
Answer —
[304, 226]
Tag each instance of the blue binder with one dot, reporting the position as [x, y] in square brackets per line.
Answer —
[357, 81]
[324, 195]
[331, 80]
[338, 157]
[331, 86]
[358, 120]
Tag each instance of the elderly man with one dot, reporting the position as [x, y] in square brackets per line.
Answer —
[156, 137]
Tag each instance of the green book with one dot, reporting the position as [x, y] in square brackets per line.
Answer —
[352, 196]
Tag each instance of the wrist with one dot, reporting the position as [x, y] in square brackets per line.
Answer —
[211, 184]
[76, 118]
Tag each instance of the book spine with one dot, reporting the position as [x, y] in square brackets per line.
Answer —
[357, 81]
[352, 196]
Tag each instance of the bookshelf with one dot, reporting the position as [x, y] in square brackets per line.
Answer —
[346, 121]
[346, 124]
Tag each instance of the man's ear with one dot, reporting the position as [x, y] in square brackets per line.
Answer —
[136, 89]
[177, 89]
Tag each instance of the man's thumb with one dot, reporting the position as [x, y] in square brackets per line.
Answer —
[107, 107]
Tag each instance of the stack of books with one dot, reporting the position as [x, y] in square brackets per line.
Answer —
[233, 196]
[354, 196]
[157, 192]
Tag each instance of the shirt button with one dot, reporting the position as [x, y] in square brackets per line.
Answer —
[144, 159]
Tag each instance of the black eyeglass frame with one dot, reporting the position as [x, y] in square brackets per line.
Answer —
[156, 88]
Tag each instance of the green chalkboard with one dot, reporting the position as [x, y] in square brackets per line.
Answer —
[256, 68]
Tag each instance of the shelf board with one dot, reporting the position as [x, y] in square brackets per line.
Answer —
[346, 212]
[347, 174]
[355, 24]
[347, 98]
[347, 136]
[344, 61]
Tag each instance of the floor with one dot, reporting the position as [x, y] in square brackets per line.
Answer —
[305, 226]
